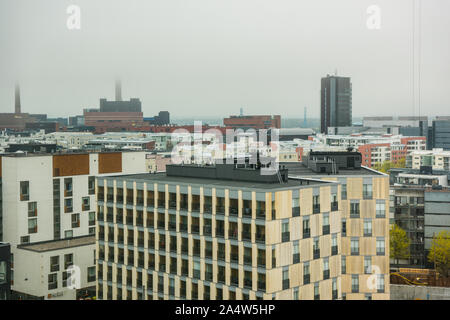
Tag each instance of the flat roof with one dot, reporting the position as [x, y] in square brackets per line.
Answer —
[58, 244]
[264, 187]
[299, 169]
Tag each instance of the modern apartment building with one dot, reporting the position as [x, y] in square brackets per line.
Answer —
[364, 225]
[225, 231]
[419, 204]
[440, 133]
[218, 232]
[438, 159]
[48, 216]
[335, 102]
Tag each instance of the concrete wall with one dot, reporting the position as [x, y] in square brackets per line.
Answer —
[405, 292]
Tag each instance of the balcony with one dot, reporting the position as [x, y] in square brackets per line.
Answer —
[233, 234]
[172, 226]
[139, 222]
[260, 237]
[260, 214]
[233, 211]
[248, 283]
[234, 257]
[173, 204]
[207, 230]
[220, 232]
[195, 207]
[247, 212]
[183, 227]
[248, 260]
[261, 286]
[208, 276]
[234, 281]
[220, 209]
[195, 228]
[261, 262]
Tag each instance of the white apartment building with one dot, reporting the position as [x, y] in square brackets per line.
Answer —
[48, 213]
[438, 159]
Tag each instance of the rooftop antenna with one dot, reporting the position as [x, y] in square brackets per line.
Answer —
[118, 90]
[17, 108]
[242, 112]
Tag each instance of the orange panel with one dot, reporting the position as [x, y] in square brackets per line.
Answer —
[70, 165]
[110, 162]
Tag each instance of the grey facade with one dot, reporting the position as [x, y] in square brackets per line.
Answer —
[5, 271]
[335, 102]
[133, 105]
[440, 134]
[437, 214]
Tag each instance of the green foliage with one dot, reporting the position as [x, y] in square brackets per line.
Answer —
[399, 243]
[440, 252]
[387, 165]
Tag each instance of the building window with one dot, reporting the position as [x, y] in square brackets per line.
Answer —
[285, 278]
[68, 205]
[344, 192]
[368, 296]
[296, 295]
[32, 225]
[367, 191]
[24, 239]
[380, 246]
[381, 209]
[344, 227]
[52, 281]
[334, 202]
[326, 223]
[306, 228]
[354, 209]
[334, 244]
[68, 260]
[316, 248]
[285, 235]
[295, 207]
[75, 220]
[354, 245]
[343, 265]
[32, 209]
[316, 204]
[91, 274]
[85, 204]
[316, 291]
[92, 218]
[367, 264]
[380, 283]
[334, 291]
[24, 190]
[68, 187]
[367, 228]
[355, 283]
[296, 252]
[54, 264]
[326, 269]
[306, 274]
[91, 185]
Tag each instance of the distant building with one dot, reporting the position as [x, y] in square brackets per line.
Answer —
[163, 118]
[115, 115]
[440, 133]
[335, 102]
[288, 134]
[438, 159]
[253, 122]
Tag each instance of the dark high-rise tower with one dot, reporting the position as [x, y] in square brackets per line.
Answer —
[335, 102]
[17, 99]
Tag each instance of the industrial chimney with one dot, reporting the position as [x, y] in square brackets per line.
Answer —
[118, 90]
[17, 99]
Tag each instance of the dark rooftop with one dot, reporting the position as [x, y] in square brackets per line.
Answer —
[58, 244]
[163, 178]
[299, 169]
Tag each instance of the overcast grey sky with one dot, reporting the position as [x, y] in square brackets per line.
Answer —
[211, 57]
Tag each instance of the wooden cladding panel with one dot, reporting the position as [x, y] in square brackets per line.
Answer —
[109, 162]
[70, 165]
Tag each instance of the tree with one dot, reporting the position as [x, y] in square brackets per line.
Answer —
[399, 243]
[387, 165]
[440, 252]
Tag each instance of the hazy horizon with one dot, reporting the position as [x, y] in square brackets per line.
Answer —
[209, 58]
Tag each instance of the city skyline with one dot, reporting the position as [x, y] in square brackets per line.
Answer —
[259, 56]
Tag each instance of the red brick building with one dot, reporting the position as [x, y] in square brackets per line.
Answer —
[255, 122]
